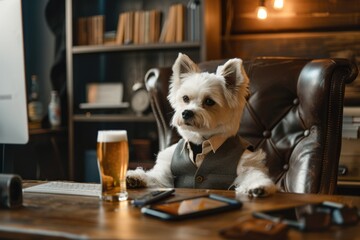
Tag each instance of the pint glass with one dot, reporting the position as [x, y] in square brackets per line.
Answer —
[113, 159]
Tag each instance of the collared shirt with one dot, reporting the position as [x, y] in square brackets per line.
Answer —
[212, 144]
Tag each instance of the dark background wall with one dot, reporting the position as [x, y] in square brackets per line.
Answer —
[39, 46]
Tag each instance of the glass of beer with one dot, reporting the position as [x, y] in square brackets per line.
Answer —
[113, 159]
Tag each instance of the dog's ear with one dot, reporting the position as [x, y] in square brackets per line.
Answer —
[233, 72]
[183, 65]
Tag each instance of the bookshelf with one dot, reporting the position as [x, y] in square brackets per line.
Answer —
[105, 58]
[133, 47]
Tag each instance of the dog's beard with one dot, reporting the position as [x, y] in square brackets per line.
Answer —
[205, 124]
[197, 123]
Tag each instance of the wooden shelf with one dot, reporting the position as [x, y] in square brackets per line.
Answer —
[133, 47]
[36, 131]
[348, 183]
[287, 35]
[122, 63]
[113, 118]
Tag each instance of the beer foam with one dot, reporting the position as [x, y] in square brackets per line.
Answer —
[112, 136]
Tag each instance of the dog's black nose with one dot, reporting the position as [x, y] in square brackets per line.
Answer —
[187, 114]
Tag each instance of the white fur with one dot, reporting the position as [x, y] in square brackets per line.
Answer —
[217, 102]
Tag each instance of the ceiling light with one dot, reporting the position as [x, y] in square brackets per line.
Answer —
[278, 4]
[261, 11]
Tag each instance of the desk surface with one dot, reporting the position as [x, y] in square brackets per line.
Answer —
[45, 216]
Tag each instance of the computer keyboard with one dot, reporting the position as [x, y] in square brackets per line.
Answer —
[67, 188]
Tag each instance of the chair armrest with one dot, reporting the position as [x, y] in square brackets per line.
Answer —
[157, 84]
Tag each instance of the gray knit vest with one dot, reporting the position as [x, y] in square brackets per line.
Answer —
[217, 171]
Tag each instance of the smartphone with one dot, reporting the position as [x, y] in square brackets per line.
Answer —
[305, 217]
[317, 216]
[192, 207]
[152, 197]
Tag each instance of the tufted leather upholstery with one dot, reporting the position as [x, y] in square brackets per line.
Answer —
[294, 114]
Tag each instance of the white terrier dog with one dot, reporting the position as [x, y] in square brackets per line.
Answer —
[208, 109]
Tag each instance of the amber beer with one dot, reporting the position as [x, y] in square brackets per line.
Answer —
[113, 160]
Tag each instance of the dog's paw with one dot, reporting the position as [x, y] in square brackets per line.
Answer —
[262, 191]
[136, 178]
[133, 182]
[258, 191]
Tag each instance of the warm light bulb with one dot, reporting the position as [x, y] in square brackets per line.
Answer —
[261, 12]
[278, 4]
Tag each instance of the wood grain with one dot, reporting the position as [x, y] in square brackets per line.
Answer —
[46, 216]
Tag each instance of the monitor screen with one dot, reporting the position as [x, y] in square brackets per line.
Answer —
[13, 108]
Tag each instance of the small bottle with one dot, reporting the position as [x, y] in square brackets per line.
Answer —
[55, 110]
[35, 107]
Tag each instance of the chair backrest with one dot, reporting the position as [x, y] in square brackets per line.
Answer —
[294, 113]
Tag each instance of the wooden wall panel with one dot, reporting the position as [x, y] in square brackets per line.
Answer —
[310, 44]
[303, 28]
[212, 30]
[300, 15]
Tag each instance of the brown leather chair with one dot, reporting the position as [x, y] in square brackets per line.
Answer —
[294, 114]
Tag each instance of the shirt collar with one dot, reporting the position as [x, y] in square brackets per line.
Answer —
[214, 142]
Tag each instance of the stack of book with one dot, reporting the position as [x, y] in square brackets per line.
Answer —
[90, 30]
[139, 27]
[174, 26]
[182, 23]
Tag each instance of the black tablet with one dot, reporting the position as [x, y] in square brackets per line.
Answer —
[304, 217]
[192, 207]
[316, 216]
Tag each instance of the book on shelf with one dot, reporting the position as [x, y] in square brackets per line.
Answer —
[129, 28]
[180, 23]
[138, 17]
[120, 32]
[138, 27]
[155, 26]
[173, 29]
[90, 30]
[82, 31]
[183, 23]
[193, 21]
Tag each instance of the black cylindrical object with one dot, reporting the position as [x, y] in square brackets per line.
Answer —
[10, 191]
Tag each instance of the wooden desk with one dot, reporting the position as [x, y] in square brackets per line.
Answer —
[68, 217]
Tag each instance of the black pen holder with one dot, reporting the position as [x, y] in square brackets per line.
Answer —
[10, 191]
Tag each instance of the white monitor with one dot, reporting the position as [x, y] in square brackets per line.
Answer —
[13, 107]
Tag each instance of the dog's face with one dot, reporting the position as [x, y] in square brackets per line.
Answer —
[207, 104]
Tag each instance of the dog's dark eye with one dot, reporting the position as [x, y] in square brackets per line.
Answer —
[209, 102]
[186, 99]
